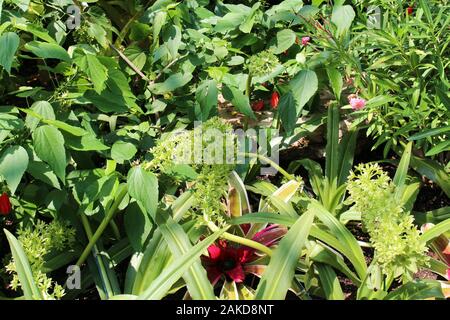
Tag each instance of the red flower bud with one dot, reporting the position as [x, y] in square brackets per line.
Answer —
[409, 11]
[258, 105]
[274, 100]
[5, 205]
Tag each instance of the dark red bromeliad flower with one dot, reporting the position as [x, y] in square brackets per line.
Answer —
[233, 261]
[258, 105]
[5, 204]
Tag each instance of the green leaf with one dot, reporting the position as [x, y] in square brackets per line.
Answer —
[95, 70]
[85, 143]
[329, 282]
[13, 163]
[440, 147]
[284, 40]
[433, 171]
[49, 146]
[288, 112]
[122, 151]
[417, 290]
[247, 25]
[435, 231]
[402, 170]
[336, 82]
[41, 110]
[206, 96]
[159, 287]
[278, 276]
[48, 50]
[143, 186]
[9, 42]
[303, 86]
[342, 17]
[22, 4]
[429, 133]
[137, 226]
[42, 171]
[332, 148]
[36, 30]
[196, 279]
[23, 269]
[175, 81]
[239, 100]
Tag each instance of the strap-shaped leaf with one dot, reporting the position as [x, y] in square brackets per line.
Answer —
[23, 269]
[277, 278]
[159, 287]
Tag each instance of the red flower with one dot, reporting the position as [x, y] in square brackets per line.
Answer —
[258, 105]
[409, 11]
[274, 100]
[5, 205]
[230, 261]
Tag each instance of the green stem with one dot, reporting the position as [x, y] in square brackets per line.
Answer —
[244, 241]
[248, 89]
[112, 211]
[103, 274]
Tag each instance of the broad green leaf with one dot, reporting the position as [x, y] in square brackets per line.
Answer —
[10, 122]
[122, 151]
[13, 163]
[247, 25]
[206, 96]
[138, 226]
[288, 112]
[9, 42]
[42, 171]
[278, 276]
[85, 143]
[239, 100]
[303, 86]
[95, 70]
[23, 269]
[22, 4]
[342, 17]
[49, 146]
[284, 40]
[36, 30]
[159, 287]
[48, 50]
[76, 131]
[143, 186]
[175, 81]
[42, 108]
